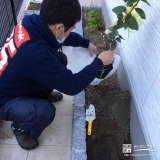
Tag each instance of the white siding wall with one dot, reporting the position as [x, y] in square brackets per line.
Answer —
[141, 61]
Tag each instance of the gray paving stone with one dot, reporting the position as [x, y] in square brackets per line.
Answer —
[79, 156]
[79, 110]
[79, 143]
[79, 131]
[80, 120]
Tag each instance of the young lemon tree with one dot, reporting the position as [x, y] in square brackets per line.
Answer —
[129, 17]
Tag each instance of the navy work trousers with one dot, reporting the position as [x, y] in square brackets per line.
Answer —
[32, 115]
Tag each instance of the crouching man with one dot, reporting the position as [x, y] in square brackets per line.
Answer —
[32, 64]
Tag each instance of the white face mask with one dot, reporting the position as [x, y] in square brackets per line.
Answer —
[63, 39]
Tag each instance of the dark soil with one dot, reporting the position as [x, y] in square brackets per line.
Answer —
[111, 128]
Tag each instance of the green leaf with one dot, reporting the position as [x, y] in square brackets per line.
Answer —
[131, 22]
[119, 24]
[118, 39]
[109, 41]
[111, 28]
[121, 37]
[111, 36]
[99, 25]
[119, 9]
[145, 1]
[120, 16]
[141, 13]
[115, 33]
[127, 20]
[130, 2]
[113, 45]
[131, 5]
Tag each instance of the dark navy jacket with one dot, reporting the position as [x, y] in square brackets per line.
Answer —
[28, 62]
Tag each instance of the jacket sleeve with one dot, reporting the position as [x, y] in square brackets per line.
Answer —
[76, 40]
[46, 69]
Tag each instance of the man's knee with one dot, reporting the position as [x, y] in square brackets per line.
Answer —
[49, 111]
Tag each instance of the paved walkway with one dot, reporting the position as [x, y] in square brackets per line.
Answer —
[55, 141]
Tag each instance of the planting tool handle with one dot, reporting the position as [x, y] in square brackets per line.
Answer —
[89, 127]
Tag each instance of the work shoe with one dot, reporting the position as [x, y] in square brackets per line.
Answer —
[23, 138]
[55, 97]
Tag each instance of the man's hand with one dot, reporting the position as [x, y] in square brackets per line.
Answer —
[92, 49]
[107, 57]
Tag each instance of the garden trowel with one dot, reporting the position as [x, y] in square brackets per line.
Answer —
[90, 116]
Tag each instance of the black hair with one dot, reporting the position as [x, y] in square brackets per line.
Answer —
[67, 12]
